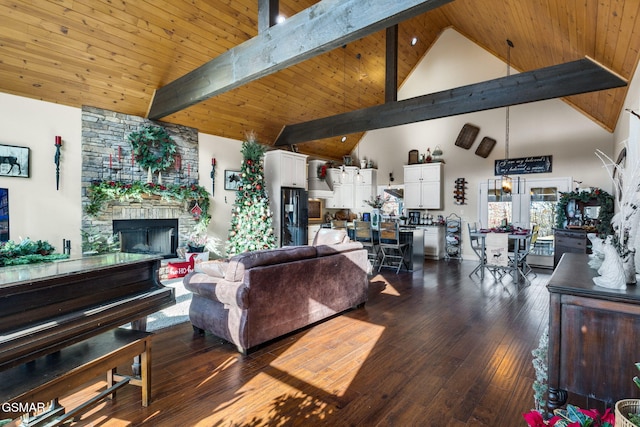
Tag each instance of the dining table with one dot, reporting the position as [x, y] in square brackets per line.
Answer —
[520, 238]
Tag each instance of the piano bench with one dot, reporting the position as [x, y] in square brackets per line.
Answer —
[36, 383]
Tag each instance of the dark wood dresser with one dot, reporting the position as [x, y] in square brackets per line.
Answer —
[569, 240]
[593, 344]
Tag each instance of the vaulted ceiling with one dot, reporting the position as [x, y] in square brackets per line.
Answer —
[115, 54]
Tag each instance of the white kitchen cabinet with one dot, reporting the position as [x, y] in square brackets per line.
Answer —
[285, 169]
[335, 202]
[343, 188]
[433, 242]
[423, 186]
[365, 188]
[349, 192]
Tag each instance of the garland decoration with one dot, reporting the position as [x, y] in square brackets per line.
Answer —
[153, 148]
[100, 193]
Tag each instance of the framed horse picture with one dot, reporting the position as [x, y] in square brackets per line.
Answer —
[14, 161]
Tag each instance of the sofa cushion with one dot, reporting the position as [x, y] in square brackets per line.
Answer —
[324, 250]
[217, 289]
[241, 262]
[330, 236]
[215, 268]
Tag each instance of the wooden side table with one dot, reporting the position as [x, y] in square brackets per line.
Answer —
[593, 345]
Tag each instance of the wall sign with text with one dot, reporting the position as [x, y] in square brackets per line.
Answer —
[523, 165]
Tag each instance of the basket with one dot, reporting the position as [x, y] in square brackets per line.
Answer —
[624, 407]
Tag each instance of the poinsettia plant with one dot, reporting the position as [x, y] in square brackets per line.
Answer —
[571, 417]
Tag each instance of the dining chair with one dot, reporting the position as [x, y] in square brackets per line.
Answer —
[391, 250]
[497, 257]
[529, 244]
[476, 245]
[363, 233]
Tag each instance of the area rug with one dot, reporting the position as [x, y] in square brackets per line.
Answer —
[178, 313]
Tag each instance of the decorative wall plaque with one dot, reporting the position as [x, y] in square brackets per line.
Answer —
[523, 165]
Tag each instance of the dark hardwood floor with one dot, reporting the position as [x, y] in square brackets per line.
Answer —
[430, 348]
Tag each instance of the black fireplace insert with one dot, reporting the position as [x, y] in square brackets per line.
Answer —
[148, 236]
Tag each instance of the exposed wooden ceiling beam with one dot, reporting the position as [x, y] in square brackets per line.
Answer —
[267, 14]
[391, 65]
[317, 29]
[557, 81]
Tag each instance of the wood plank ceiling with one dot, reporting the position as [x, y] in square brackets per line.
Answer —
[115, 54]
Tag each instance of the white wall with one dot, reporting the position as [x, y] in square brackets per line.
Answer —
[541, 128]
[228, 157]
[36, 209]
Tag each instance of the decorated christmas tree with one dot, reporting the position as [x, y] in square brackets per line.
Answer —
[251, 218]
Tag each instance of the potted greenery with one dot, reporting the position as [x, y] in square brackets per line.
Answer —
[628, 410]
[198, 242]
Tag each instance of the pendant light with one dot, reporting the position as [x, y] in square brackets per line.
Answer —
[344, 87]
[507, 184]
[358, 174]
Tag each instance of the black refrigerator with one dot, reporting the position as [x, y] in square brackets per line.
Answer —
[294, 218]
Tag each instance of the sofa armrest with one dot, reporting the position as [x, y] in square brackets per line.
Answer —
[217, 289]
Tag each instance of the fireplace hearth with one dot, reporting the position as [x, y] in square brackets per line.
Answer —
[148, 236]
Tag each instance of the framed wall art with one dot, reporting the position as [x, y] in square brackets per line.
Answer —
[231, 180]
[4, 214]
[14, 161]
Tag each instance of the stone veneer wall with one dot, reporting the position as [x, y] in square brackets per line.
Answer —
[103, 132]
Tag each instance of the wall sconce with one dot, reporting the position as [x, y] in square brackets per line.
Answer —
[391, 179]
[213, 175]
[56, 160]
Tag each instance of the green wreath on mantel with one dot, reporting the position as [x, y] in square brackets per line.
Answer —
[153, 148]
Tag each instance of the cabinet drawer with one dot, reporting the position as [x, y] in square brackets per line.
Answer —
[568, 242]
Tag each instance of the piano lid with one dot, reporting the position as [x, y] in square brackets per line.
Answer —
[12, 275]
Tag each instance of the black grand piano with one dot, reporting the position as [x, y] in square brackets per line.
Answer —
[47, 307]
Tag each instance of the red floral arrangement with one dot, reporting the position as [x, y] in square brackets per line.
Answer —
[571, 417]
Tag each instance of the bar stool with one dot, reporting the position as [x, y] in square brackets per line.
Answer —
[341, 224]
[363, 233]
[392, 251]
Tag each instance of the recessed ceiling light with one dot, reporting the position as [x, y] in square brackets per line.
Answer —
[280, 19]
[414, 41]
[344, 138]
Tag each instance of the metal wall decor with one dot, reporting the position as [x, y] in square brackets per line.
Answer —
[56, 160]
[459, 191]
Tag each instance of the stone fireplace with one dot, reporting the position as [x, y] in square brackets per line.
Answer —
[106, 156]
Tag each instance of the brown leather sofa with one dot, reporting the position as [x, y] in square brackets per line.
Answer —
[255, 297]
